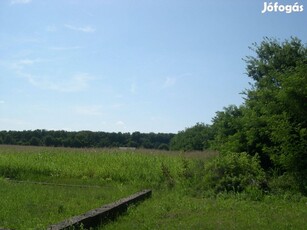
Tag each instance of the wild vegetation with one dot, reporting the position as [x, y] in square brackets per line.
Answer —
[189, 192]
[272, 122]
[77, 180]
[258, 179]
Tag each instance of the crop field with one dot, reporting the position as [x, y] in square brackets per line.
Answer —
[40, 186]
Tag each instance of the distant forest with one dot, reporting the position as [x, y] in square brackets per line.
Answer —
[85, 139]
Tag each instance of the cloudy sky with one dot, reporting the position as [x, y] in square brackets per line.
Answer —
[128, 65]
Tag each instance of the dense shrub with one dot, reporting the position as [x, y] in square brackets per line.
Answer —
[283, 184]
[235, 172]
[194, 138]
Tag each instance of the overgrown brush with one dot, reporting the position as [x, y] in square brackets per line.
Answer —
[234, 172]
[174, 178]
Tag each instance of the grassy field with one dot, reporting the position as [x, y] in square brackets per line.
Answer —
[32, 206]
[82, 179]
[177, 211]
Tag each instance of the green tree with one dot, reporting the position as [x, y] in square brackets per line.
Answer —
[49, 140]
[228, 130]
[9, 139]
[35, 141]
[276, 117]
[194, 138]
[274, 56]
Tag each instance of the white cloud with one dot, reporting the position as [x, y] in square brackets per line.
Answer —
[51, 28]
[2, 102]
[13, 2]
[76, 83]
[26, 62]
[20, 64]
[27, 39]
[85, 29]
[169, 81]
[133, 88]
[119, 95]
[13, 124]
[117, 106]
[92, 110]
[120, 123]
[63, 48]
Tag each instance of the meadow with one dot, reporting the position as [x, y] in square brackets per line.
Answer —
[40, 186]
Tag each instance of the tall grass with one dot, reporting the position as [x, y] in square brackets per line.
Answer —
[177, 180]
[34, 206]
[118, 173]
[90, 165]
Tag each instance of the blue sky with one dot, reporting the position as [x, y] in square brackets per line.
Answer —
[128, 65]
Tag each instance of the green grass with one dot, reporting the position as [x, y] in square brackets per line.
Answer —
[33, 206]
[118, 173]
[173, 210]
[98, 166]
[178, 202]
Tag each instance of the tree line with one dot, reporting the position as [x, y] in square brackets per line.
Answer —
[272, 121]
[87, 139]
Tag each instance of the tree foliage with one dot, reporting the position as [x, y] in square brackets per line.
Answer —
[194, 138]
[227, 127]
[272, 122]
[278, 101]
[274, 56]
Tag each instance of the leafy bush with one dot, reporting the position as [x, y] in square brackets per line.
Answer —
[194, 138]
[281, 184]
[235, 172]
